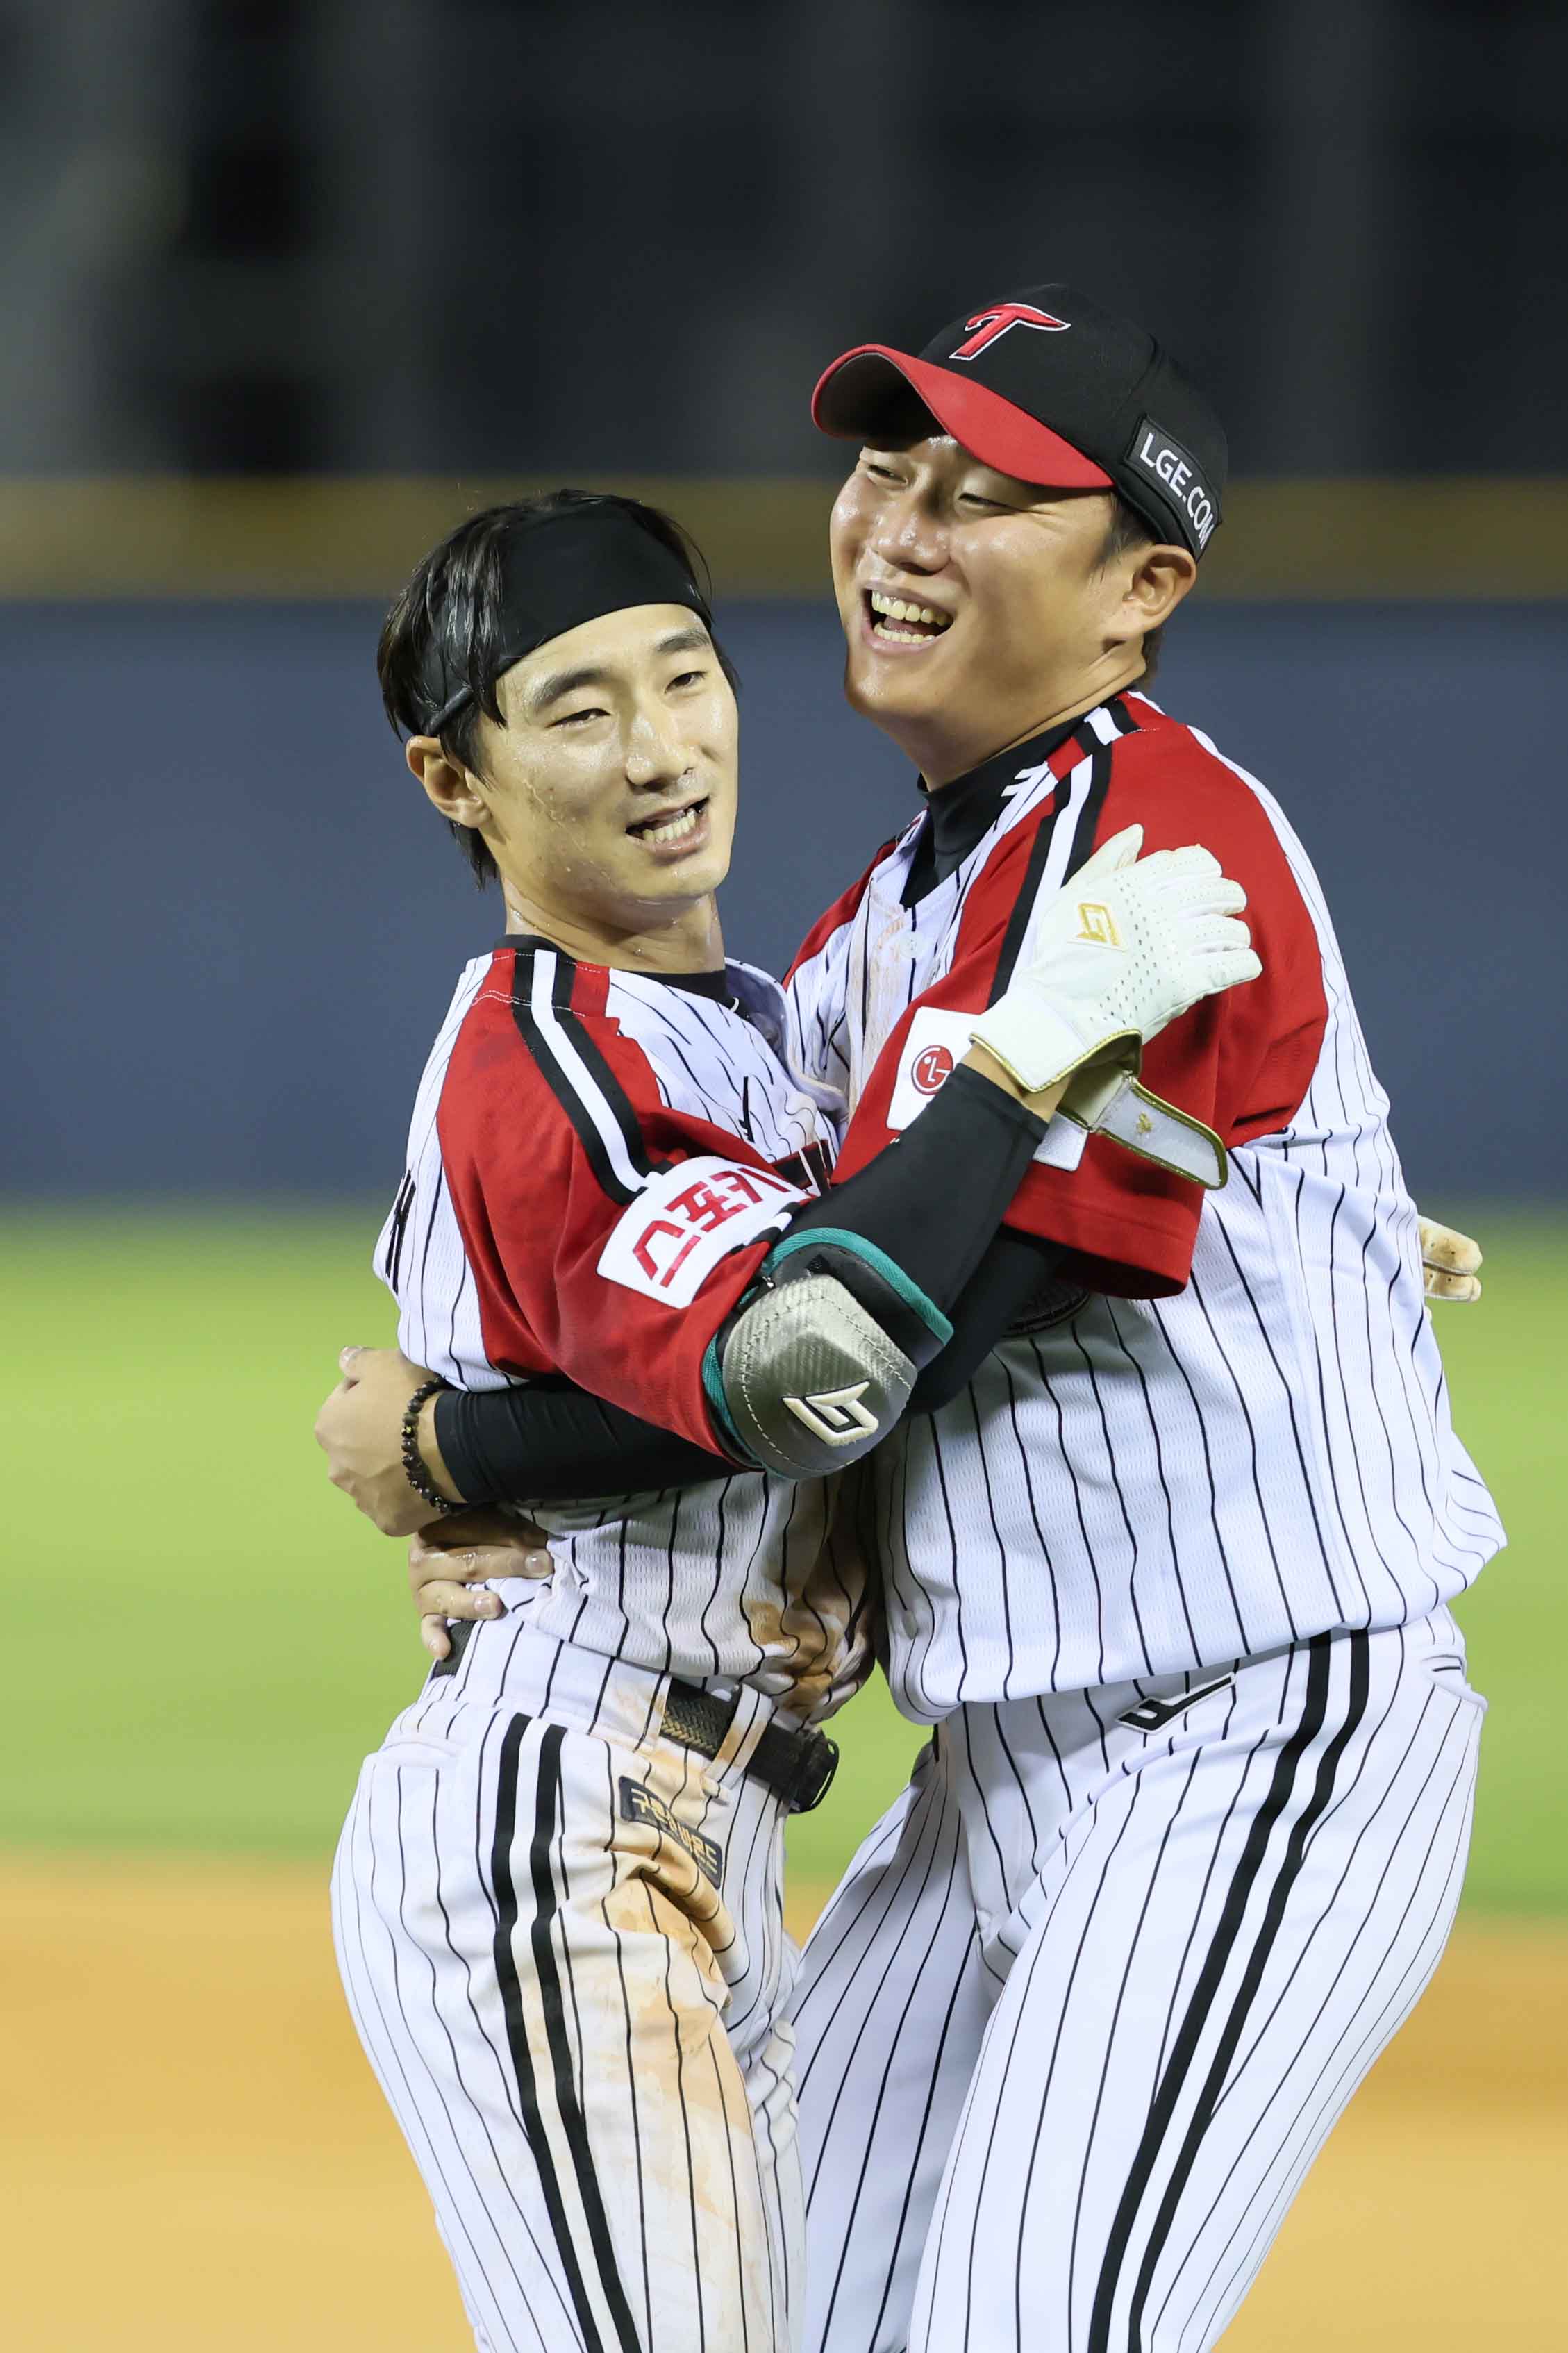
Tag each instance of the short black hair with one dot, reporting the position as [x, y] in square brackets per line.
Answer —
[1125, 531]
[454, 597]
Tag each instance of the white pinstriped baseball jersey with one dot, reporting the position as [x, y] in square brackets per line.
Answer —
[1257, 1449]
[597, 1162]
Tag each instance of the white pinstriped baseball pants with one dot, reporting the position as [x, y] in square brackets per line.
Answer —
[578, 2030]
[1091, 1996]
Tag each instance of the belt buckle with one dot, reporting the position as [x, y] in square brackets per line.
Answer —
[813, 1777]
[696, 1718]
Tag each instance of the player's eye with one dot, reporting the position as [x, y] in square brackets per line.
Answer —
[974, 498]
[688, 678]
[577, 718]
[877, 472]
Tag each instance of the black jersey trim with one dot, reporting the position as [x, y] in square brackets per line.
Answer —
[596, 1103]
[716, 985]
[399, 1227]
[615, 1096]
[1162, 2107]
[1087, 824]
[533, 2125]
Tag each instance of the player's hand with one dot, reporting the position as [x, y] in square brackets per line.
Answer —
[448, 1565]
[360, 1428]
[1113, 956]
[1449, 1262]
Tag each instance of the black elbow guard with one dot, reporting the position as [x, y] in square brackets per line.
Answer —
[819, 1363]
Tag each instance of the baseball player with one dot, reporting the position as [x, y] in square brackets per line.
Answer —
[1169, 1576]
[557, 1895]
[1168, 1571]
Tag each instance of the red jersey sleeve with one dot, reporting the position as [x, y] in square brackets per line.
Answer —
[607, 1234]
[1240, 1063]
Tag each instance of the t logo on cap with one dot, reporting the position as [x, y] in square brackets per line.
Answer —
[993, 324]
[1108, 409]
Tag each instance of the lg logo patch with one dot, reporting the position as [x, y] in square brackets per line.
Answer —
[937, 1041]
[930, 1067]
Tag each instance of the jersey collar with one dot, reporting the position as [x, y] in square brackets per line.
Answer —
[959, 815]
[720, 985]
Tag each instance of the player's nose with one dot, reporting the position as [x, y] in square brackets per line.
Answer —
[655, 751]
[907, 535]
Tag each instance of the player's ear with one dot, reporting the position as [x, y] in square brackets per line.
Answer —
[1161, 578]
[449, 787]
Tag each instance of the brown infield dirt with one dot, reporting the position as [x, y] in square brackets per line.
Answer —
[197, 2156]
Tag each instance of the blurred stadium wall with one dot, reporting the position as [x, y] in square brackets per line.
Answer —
[234, 921]
[285, 285]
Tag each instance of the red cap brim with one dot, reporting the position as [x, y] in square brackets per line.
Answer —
[851, 402]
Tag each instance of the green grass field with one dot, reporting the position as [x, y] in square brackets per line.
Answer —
[205, 1638]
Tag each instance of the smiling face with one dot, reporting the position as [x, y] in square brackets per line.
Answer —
[607, 797]
[977, 610]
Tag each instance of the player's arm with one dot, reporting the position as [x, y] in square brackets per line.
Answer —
[555, 1443]
[1080, 1005]
[872, 1269]
[610, 1236]
[547, 1442]
[1231, 1068]
[812, 1343]
[818, 1339]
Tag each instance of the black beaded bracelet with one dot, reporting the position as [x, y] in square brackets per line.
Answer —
[418, 1477]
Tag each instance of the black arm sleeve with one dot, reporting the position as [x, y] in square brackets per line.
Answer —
[933, 1199]
[1019, 1282]
[555, 1443]
[932, 1202]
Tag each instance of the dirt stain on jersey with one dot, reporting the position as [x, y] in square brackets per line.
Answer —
[818, 1630]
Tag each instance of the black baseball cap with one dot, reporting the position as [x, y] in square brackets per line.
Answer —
[1051, 388]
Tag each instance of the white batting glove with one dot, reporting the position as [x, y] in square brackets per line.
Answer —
[1113, 956]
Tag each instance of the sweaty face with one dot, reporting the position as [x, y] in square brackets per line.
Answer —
[971, 602]
[610, 790]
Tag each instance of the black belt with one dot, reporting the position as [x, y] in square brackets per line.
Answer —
[798, 1764]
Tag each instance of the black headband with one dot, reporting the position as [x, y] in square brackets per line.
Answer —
[557, 573]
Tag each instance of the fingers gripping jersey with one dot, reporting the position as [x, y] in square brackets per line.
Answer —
[1240, 1437]
[598, 1162]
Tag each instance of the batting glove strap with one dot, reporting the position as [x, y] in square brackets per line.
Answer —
[1109, 1103]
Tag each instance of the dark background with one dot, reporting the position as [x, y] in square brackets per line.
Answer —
[268, 239]
[440, 235]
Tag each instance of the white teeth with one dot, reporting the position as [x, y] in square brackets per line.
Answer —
[672, 828]
[897, 609]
